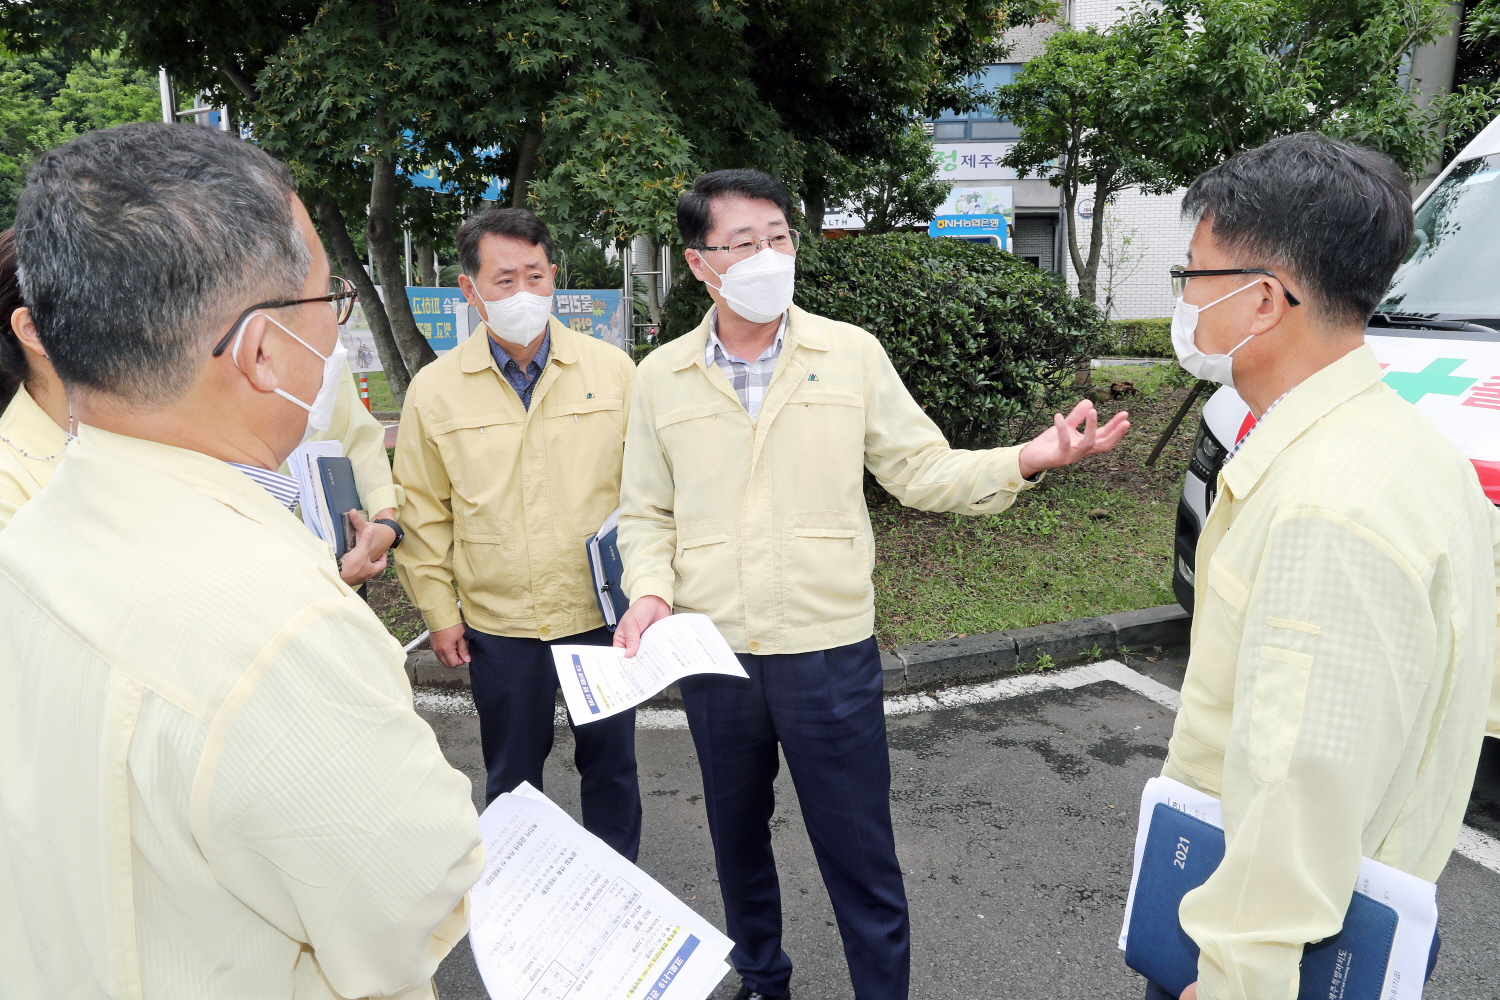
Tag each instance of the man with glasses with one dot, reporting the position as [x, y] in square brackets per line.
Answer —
[212, 781]
[743, 499]
[1344, 633]
[510, 454]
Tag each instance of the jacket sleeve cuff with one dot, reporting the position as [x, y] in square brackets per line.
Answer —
[392, 497]
[650, 586]
[1008, 480]
[438, 619]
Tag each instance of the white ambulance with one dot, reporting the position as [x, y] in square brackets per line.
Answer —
[1436, 333]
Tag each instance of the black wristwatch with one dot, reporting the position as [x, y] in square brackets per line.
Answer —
[394, 527]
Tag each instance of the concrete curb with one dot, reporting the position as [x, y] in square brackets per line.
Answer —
[958, 659]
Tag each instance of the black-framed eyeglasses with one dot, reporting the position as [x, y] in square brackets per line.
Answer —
[1180, 276]
[341, 296]
[742, 247]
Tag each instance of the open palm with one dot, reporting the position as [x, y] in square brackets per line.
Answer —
[1071, 438]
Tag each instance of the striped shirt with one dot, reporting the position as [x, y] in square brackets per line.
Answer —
[283, 488]
[1241, 442]
[749, 378]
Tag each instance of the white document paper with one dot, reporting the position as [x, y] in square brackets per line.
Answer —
[600, 681]
[303, 464]
[1413, 899]
[558, 914]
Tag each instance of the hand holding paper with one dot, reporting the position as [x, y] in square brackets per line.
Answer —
[600, 681]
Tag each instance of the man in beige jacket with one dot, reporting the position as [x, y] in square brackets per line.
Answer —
[510, 453]
[212, 782]
[743, 499]
[1344, 630]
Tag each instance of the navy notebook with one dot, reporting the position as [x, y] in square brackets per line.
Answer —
[1181, 853]
[336, 478]
[605, 563]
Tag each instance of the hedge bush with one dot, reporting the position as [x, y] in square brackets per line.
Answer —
[987, 344]
[1141, 338]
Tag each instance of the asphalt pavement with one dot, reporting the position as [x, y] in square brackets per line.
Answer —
[1015, 821]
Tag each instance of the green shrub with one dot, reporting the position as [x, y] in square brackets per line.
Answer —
[987, 344]
[1141, 338]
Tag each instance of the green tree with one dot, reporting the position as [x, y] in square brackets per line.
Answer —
[1066, 105]
[902, 189]
[1177, 87]
[105, 91]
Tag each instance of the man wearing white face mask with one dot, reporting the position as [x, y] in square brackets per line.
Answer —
[510, 452]
[743, 499]
[212, 780]
[1344, 640]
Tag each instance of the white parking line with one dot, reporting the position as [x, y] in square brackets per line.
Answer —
[1478, 847]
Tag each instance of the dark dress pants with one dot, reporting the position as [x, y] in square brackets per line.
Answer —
[825, 710]
[515, 691]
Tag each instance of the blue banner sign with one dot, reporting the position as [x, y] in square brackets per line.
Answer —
[975, 211]
[596, 312]
[438, 312]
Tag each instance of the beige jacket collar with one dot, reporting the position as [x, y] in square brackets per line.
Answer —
[210, 476]
[801, 331]
[1302, 407]
[475, 355]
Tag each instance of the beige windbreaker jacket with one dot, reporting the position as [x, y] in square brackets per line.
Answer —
[761, 525]
[1343, 653]
[212, 782]
[500, 499]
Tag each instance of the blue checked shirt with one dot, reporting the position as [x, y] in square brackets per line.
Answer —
[522, 382]
[749, 378]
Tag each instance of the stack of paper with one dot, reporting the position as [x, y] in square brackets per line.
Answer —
[557, 914]
[303, 464]
[600, 681]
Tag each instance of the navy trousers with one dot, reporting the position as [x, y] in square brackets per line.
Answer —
[825, 709]
[515, 691]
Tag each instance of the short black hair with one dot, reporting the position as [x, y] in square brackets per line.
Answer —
[1335, 216]
[132, 242]
[512, 223]
[15, 367]
[695, 206]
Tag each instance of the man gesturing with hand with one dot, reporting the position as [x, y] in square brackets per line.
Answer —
[742, 498]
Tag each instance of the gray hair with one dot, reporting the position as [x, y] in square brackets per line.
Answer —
[132, 241]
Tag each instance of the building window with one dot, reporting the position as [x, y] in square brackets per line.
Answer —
[950, 130]
[982, 122]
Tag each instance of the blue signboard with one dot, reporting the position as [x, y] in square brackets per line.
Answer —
[428, 178]
[593, 311]
[438, 312]
[975, 211]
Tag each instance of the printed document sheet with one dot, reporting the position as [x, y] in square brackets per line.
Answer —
[558, 914]
[1413, 899]
[600, 681]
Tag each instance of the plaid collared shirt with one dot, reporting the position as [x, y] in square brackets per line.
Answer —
[749, 379]
[523, 382]
[1241, 442]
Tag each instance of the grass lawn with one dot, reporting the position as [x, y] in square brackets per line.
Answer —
[381, 397]
[1091, 540]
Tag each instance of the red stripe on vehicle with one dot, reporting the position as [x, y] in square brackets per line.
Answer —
[1489, 478]
[1245, 426]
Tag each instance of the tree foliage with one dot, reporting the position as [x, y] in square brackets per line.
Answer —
[902, 189]
[45, 100]
[1178, 86]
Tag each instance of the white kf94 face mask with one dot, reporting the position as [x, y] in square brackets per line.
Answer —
[1211, 367]
[320, 410]
[759, 288]
[519, 318]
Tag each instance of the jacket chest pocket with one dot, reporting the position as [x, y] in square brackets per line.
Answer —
[585, 442]
[481, 455]
[824, 429]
